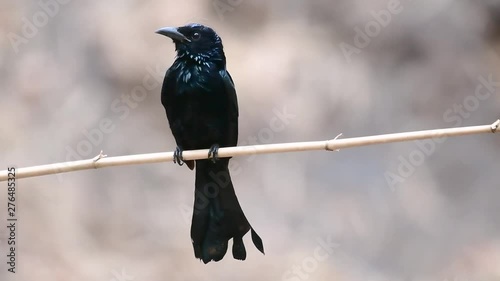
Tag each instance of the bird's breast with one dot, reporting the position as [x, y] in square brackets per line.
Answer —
[194, 75]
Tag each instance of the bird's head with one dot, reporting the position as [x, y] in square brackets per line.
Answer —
[195, 41]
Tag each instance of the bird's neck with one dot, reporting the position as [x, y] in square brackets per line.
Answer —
[195, 71]
[202, 59]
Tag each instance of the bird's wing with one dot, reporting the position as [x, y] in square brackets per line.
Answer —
[232, 107]
[167, 89]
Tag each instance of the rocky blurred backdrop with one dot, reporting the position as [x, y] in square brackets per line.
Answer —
[78, 77]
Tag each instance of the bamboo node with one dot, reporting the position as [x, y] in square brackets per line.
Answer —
[327, 144]
[494, 126]
[97, 158]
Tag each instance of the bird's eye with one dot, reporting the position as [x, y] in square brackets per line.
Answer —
[195, 36]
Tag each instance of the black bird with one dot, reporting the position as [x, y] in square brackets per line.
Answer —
[202, 109]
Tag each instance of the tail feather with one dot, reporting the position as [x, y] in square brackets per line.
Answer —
[257, 241]
[217, 215]
[190, 164]
[239, 251]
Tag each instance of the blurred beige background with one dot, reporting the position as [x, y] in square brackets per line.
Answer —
[304, 70]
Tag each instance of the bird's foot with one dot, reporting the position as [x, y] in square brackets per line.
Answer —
[213, 153]
[178, 156]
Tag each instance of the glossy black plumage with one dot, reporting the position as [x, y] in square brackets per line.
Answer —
[202, 109]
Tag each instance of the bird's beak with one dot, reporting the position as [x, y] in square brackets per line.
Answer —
[173, 33]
